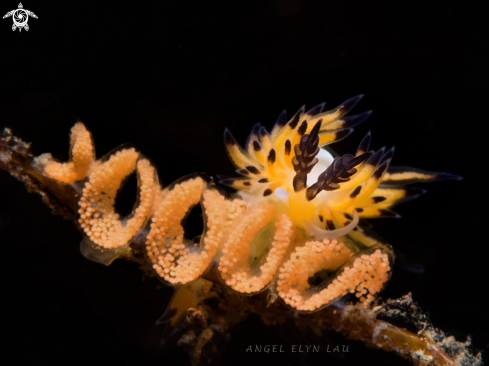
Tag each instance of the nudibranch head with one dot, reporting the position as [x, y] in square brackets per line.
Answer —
[322, 194]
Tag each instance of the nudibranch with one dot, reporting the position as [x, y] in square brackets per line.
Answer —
[294, 227]
[324, 195]
[293, 234]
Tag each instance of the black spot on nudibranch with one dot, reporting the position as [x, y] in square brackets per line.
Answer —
[375, 158]
[388, 155]
[316, 110]
[263, 180]
[228, 138]
[271, 156]
[356, 191]
[252, 169]
[281, 120]
[341, 134]
[256, 145]
[380, 171]
[295, 119]
[349, 104]
[330, 225]
[348, 216]
[267, 192]
[378, 199]
[303, 128]
[288, 147]
[359, 209]
[247, 183]
[227, 181]
[243, 172]
[364, 144]
[321, 218]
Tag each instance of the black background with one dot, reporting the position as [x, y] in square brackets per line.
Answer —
[168, 76]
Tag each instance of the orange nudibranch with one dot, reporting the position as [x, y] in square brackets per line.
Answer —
[294, 221]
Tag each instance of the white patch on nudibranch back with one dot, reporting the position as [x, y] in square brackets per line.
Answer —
[325, 159]
[282, 195]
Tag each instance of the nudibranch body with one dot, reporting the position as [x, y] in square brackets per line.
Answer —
[294, 227]
[323, 195]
